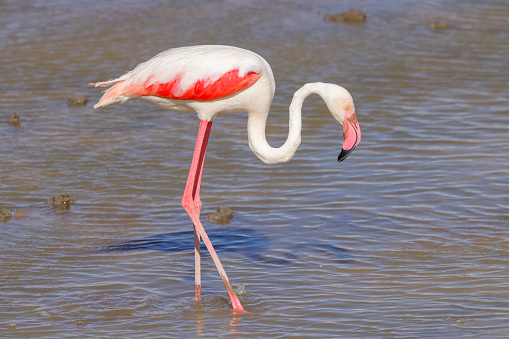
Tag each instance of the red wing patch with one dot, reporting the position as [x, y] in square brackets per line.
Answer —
[228, 84]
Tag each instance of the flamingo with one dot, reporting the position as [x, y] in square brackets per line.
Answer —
[212, 80]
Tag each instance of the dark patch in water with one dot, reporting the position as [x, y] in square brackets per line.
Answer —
[223, 240]
[250, 243]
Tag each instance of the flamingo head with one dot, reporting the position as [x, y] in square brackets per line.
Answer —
[351, 132]
[340, 104]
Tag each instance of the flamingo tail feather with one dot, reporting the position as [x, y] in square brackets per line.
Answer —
[113, 95]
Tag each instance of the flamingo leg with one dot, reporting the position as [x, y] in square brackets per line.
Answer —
[192, 204]
[197, 265]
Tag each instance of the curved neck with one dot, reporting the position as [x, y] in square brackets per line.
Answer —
[256, 128]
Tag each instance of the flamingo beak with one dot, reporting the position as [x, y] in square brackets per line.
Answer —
[352, 135]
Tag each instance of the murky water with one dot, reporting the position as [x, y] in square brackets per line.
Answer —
[408, 238]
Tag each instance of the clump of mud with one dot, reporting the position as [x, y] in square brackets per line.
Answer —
[6, 214]
[222, 217]
[353, 16]
[457, 320]
[15, 120]
[81, 323]
[61, 201]
[77, 100]
[437, 25]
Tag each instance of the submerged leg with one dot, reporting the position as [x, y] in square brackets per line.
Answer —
[197, 265]
[192, 204]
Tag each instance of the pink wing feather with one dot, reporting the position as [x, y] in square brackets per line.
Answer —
[190, 73]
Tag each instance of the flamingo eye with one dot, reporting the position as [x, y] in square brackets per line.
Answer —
[347, 107]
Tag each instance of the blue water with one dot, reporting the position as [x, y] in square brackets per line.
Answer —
[407, 238]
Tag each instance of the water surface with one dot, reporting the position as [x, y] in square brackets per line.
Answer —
[407, 238]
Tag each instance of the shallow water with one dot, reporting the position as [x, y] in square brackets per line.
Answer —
[407, 238]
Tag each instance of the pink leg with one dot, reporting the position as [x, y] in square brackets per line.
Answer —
[192, 204]
[197, 265]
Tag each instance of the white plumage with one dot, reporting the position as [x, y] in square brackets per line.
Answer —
[192, 64]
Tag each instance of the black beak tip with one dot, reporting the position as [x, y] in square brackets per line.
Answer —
[344, 153]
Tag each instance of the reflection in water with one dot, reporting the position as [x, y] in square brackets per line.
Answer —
[199, 319]
[235, 324]
[252, 244]
[231, 240]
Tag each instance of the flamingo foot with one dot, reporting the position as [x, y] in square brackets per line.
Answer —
[237, 306]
